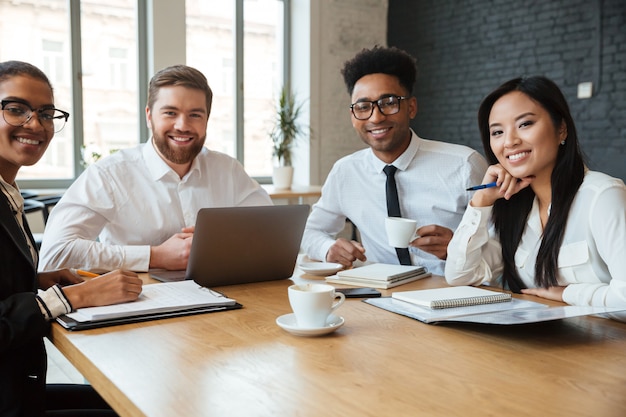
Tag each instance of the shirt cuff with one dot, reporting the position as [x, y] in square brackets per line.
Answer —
[136, 258]
[323, 250]
[477, 216]
[53, 303]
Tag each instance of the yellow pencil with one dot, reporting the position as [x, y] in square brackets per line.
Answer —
[85, 273]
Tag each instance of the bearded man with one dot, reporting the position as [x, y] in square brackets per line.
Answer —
[136, 209]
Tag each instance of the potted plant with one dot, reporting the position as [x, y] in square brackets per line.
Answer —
[286, 131]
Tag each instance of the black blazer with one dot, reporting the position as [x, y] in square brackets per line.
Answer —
[22, 326]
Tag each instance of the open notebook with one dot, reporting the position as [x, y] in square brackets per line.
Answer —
[156, 301]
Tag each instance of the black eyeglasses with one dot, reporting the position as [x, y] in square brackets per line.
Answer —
[363, 110]
[17, 113]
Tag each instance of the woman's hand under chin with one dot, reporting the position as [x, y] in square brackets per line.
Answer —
[507, 186]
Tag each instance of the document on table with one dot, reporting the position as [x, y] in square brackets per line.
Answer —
[156, 301]
[514, 312]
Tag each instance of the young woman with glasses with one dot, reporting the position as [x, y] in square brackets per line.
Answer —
[29, 300]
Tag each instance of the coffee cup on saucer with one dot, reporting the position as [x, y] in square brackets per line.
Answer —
[313, 304]
[400, 231]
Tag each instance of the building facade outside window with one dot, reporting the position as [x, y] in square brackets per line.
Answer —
[211, 49]
[109, 78]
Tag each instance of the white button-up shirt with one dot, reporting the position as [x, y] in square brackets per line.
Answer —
[131, 200]
[431, 180]
[592, 258]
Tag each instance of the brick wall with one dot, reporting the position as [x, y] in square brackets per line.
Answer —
[467, 48]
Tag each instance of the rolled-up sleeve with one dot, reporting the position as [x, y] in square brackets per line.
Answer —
[324, 222]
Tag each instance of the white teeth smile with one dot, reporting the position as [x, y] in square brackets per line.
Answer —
[379, 131]
[28, 141]
[179, 139]
[518, 156]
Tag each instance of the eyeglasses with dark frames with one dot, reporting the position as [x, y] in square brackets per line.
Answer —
[363, 110]
[17, 113]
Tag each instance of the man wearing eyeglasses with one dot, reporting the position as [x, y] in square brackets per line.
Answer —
[429, 177]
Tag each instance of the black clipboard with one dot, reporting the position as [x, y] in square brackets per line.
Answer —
[71, 324]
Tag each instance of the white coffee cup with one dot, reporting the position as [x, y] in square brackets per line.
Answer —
[313, 303]
[400, 231]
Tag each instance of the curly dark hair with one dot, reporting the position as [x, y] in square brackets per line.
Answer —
[381, 60]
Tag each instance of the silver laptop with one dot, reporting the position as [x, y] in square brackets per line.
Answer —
[238, 245]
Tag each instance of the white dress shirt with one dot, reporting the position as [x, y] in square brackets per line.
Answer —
[132, 200]
[431, 180]
[592, 259]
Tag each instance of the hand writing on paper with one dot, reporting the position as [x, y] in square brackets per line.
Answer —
[173, 254]
[345, 252]
[433, 239]
[111, 288]
[551, 293]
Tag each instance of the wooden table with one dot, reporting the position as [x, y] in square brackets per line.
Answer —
[240, 363]
[296, 192]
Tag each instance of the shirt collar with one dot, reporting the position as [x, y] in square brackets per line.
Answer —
[13, 195]
[158, 168]
[403, 161]
[534, 221]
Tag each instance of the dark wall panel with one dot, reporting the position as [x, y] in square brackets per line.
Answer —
[465, 49]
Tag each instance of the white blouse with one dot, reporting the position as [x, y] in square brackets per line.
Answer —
[592, 259]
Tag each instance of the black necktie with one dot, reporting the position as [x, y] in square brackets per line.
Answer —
[393, 209]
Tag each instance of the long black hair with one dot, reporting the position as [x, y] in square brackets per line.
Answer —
[510, 216]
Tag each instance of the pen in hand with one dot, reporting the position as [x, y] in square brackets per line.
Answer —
[482, 186]
[84, 273]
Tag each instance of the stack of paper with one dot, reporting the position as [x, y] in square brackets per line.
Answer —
[379, 275]
[156, 301]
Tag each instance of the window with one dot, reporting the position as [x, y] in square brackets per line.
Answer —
[37, 32]
[105, 105]
[212, 48]
[118, 68]
[53, 64]
[110, 94]
[109, 111]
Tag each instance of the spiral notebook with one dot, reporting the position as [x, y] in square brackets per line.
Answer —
[450, 297]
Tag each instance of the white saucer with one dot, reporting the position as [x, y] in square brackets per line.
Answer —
[288, 323]
[320, 268]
